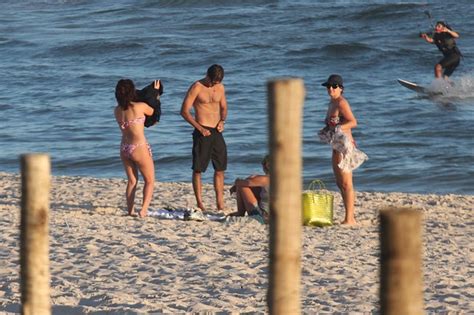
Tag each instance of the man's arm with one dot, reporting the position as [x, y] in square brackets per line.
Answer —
[188, 103]
[251, 181]
[451, 32]
[427, 37]
[223, 111]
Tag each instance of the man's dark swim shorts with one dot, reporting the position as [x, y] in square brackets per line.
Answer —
[209, 148]
[450, 63]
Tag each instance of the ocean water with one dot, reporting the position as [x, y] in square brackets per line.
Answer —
[61, 60]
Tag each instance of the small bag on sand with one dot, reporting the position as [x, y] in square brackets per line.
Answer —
[318, 205]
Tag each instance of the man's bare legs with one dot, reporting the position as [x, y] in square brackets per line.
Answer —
[219, 189]
[197, 187]
[246, 200]
[438, 70]
[344, 182]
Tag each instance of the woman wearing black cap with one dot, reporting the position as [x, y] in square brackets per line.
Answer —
[345, 156]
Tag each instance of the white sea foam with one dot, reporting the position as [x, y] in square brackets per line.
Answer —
[458, 88]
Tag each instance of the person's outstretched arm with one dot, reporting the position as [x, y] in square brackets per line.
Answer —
[426, 37]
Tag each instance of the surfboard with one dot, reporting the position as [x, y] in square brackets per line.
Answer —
[413, 86]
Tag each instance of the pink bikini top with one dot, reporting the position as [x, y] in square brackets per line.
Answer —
[125, 124]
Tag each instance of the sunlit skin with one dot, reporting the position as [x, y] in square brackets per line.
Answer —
[141, 159]
[248, 190]
[208, 100]
[339, 106]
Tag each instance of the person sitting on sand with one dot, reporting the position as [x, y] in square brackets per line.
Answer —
[135, 151]
[252, 193]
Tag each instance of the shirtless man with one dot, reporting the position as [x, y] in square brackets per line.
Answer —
[207, 97]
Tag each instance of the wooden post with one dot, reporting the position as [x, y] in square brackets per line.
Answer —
[401, 284]
[34, 240]
[285, 104]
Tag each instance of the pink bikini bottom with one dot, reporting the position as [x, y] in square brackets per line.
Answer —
[128, 148]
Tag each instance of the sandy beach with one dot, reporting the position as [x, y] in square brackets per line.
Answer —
[103, 262]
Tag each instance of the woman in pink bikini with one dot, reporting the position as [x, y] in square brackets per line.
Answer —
[135, 151]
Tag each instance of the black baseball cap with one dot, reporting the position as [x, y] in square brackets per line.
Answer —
[334, 79]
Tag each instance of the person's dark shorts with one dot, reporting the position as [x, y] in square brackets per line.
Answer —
[450, 63]
[210, 148]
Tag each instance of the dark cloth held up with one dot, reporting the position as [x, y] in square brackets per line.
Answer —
[151, 96]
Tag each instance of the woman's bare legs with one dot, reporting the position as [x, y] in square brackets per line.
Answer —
[344, 182]
[132, 175]
[144, 162]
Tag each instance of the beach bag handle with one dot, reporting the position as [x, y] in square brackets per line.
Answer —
[316, 183]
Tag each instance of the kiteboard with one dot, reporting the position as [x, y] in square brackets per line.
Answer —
[414, 87]
[419, 88]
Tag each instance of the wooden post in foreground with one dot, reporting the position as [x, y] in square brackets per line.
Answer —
[285, 104]
[401, 283]
[34, 240]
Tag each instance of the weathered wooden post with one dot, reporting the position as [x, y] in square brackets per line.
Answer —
[401, 283]
[34, 240]
[285, 104]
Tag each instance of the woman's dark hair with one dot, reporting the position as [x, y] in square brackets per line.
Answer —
[215, 73]
[125, 93]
